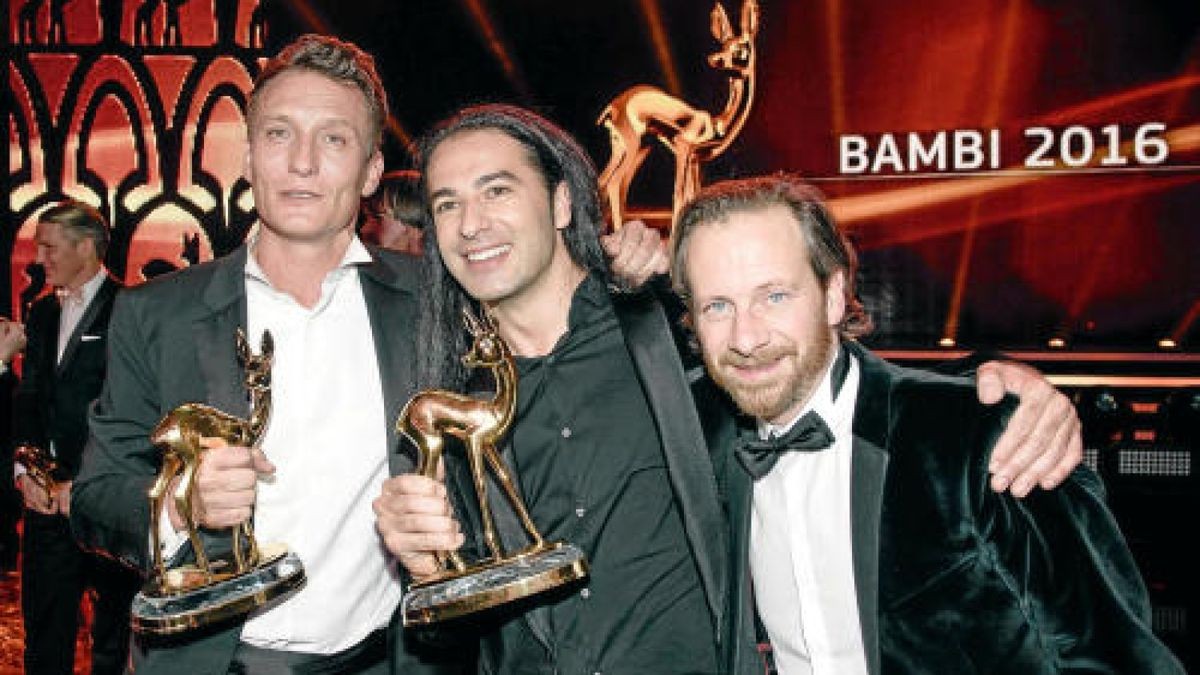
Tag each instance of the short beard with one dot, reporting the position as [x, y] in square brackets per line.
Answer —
[770, 400]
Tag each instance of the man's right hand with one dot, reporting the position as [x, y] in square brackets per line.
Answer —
[12, 339]
[414, 517]
[226, 485]
[35, 496]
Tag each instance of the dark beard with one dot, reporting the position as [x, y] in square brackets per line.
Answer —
[770, 400]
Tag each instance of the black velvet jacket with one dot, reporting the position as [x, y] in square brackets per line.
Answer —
[952, 577]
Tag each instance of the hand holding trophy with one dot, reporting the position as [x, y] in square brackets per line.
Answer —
[40, 466]
[214, 587]
[426, 420]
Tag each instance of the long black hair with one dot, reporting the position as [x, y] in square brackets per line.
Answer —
[442, 338]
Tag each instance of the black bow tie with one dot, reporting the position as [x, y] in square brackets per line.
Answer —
[808, 434]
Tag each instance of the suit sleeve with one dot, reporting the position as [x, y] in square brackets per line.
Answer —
[110, 507]
[1081, 583]
[28, 425]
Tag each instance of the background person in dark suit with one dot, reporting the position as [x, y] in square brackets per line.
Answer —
[864, 531]
[12, 342]
[341, 316]
[62, 373]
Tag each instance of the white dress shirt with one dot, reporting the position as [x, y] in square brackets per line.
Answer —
[327, 438]
[801, 558]
[72, 306]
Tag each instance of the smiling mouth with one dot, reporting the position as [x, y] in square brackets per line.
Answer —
[488, 253]
[755, 371]
[299, 194]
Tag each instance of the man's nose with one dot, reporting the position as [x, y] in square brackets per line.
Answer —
[749, 332]
[302, 158]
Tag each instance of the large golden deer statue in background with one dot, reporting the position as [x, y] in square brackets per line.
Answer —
[693, 136]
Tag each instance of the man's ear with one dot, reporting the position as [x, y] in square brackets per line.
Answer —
[86, 246]
[562, 205]
[374, 173]
[247, 170]
[835, 297]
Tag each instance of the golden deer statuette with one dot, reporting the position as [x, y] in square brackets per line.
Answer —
[182, 435]
[39, 464]
[426, 420]
[692, 135]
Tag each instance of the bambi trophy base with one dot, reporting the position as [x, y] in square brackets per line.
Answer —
[156, 612]
[481, 587]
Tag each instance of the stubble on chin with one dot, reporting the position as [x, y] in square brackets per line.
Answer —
[770, 399]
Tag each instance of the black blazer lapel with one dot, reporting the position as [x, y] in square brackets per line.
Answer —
[97, 312]
[388, 293]
[869, 461]
[214, 331]
[869, 468]
[739, 495]
[689, 465]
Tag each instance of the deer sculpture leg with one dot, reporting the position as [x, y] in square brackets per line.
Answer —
[427, 464]
[183, 503]
[479, 475]
[510, 489]
[249, 558]
[618, 176]
[158, 491]
[687, 178]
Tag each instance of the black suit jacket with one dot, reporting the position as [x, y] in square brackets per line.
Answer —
[952, 577]
[649, 337]
[52, 400]
[172, 342]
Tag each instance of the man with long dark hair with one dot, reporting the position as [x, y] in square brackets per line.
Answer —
[608, 445]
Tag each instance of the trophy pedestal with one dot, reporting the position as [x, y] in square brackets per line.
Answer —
[456, 594]
[159, 611]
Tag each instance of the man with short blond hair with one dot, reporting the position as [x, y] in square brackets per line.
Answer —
[341, 317]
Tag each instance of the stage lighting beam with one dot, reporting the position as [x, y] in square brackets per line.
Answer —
[662, 45]
[497, 46]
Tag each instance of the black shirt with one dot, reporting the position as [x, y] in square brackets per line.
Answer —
[592, 470]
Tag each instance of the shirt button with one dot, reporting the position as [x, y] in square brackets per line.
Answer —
[566, 432]
[585, 593]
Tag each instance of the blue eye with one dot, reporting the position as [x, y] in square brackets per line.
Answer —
[716, 308]
[776, 297]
